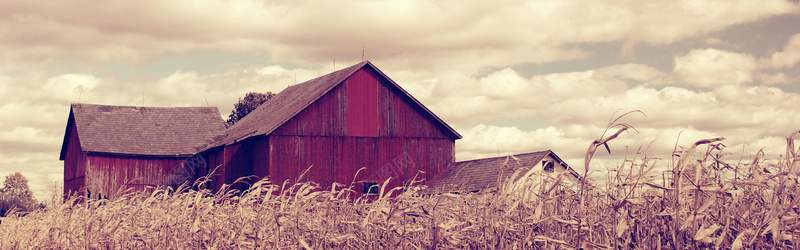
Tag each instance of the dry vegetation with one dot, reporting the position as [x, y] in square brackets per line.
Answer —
[710, 204]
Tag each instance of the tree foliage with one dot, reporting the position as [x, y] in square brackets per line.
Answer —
[250, 102]
[16, 194]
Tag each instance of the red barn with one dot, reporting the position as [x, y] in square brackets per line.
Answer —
[341, 122]
[108, 148]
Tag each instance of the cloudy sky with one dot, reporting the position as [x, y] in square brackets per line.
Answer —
[510, 76]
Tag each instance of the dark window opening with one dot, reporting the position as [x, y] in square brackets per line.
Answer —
[548, 166]
[371, 188]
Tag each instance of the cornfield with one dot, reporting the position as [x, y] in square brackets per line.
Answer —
[706, 203]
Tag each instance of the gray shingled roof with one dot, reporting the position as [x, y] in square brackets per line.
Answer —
[291, 101]
[154, 131]
[480, 174]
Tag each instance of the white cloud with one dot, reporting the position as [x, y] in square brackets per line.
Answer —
[451, 34]
[28, 139]
[491, 141]
[790, 54]
[31, 114]
[69, 87]
[631, 71]
[710, 68]
[713, 41]
[504, 93]
[3, 84]
[775, 78]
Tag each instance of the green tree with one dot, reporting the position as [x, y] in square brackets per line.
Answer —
[16, 194]
[250, 102]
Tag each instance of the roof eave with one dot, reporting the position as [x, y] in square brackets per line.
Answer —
[65, 143]
[138, 155]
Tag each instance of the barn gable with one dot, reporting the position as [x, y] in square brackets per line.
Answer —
[325, 101]
[354, 120]
[480, 174]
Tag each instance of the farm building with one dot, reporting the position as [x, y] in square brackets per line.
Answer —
[480, 174]
[354, 125]
[336, 124]
[106, 148]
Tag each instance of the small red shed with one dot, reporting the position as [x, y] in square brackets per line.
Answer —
[108, 148]
[353, 118]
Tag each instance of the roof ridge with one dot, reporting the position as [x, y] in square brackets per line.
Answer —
[498, 157]
[78, 104]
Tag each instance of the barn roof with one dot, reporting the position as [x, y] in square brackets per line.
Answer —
[291, 101]
[154, 131]
[479, 174]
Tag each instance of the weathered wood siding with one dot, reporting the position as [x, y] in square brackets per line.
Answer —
[74, 163]
[365, 105]
[247, 158]
[365, 122]
[216, 162]
[362, 103]
[107, 174]
[337, 159]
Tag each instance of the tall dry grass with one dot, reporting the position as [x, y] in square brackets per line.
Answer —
[708, 203]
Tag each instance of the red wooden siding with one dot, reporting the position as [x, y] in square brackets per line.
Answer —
[239, 162]
[216, 163]
[362, 104]
[328, 114]
[246, 158]
[261, 157]
[337, 159]
[365, 105]
[364, 122]
[74, 163]
[106, 174]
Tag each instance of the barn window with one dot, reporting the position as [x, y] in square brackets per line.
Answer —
[371, 188]
[548, 166]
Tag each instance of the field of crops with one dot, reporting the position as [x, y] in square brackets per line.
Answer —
[709, 203]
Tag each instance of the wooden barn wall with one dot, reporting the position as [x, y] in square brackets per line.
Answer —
[106, 174]
[260, 156]
[327, 116]
[362, 103]
[238, 162]
[337, 159]
[215, 161]
[246, 158]
[74, 164]
[365, 105]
